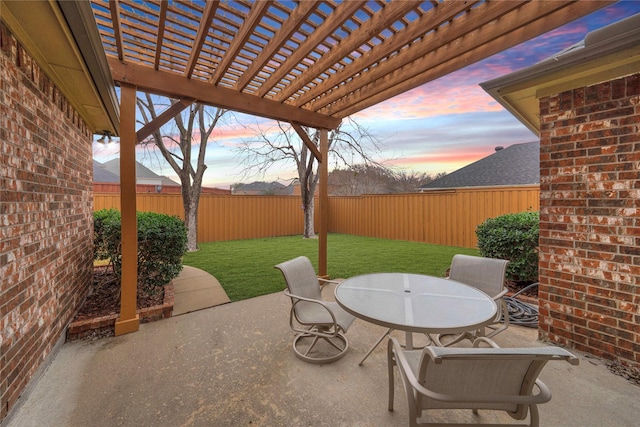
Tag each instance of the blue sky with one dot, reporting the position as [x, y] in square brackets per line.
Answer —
[438, 127]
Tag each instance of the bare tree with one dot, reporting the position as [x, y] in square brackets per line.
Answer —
[360, 179]
[410, 181]
[193, 130]
[372, 179]
[348, 143]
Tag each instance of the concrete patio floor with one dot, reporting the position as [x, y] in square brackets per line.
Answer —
[232, 365]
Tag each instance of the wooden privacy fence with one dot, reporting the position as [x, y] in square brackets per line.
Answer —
[444, 217]
[224, 217]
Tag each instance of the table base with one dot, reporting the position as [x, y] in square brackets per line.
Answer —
[408, 342]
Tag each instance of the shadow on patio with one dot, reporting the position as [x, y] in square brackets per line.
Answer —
[232, 365]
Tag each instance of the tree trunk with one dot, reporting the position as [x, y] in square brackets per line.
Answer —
[309, 229]
[190, 202]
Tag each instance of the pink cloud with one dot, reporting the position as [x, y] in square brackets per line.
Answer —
[431, 100]
[442, 158]
[241, 131]
[466, 156]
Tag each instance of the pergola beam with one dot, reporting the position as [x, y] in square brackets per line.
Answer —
[440, 46]
[203, 30]
[114, 7]
[341, 14]
[292, 24]
[168, 114]
[524, 23]
[169, 84]
[256, 13]
[391, 12]
[427, 22]
[307, 141]
[312, 62]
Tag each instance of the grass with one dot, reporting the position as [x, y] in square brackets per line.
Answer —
[244, 268]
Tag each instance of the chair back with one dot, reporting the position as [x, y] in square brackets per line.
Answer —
[485, 274]
[486, 378]
[301, 279]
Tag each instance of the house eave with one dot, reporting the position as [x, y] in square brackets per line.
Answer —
[63, 39]
[608, 53]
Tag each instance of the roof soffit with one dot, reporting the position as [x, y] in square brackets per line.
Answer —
[617, 55]
[41, 28]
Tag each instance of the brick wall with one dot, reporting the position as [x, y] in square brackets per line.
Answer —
[46, 222]
[590, 219]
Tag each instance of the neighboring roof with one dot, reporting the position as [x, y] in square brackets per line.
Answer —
[101, 174]
[518, 164]
[605, 54]
[142, 172]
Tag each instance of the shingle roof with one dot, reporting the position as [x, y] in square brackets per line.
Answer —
[142, 172]
[518, 164]
[101, 174]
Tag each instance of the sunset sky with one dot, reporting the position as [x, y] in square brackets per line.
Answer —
[438, 127]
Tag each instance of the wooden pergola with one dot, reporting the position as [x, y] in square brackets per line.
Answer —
[309, 63]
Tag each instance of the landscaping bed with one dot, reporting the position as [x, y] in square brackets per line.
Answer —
[97, 316]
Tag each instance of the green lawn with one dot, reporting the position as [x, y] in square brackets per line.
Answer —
[245, 267]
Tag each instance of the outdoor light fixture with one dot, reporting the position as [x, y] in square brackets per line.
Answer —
[105, 138]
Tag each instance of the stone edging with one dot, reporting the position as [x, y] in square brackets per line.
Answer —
[105, 325]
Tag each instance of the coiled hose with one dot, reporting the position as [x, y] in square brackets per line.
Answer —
[520, 313]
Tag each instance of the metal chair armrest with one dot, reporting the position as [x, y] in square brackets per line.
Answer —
[296, 299]
[324, 282]
[502, 293]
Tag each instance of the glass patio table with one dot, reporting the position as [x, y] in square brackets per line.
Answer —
[415, 303]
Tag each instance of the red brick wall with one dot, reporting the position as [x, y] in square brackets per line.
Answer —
[590, 219]
[46, 232]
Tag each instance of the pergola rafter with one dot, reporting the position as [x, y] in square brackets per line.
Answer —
[327, 58]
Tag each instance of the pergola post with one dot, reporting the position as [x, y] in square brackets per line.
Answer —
[323, 166]
[129, 321]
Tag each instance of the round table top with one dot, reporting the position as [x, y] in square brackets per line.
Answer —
[416, 303]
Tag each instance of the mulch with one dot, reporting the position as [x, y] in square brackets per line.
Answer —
[104, 298]
[518, 286]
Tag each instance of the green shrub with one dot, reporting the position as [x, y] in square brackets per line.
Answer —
[513, 237]
[106, 233]
[162, 242]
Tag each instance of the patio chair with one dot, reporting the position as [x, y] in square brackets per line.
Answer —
[312, 318]
[496, 379]
[487, 275]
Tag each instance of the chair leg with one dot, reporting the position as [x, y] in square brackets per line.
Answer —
[391, 362]
[304, 354]
[313, 343]
[333, 344]
[463, 336]
[533, 414]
